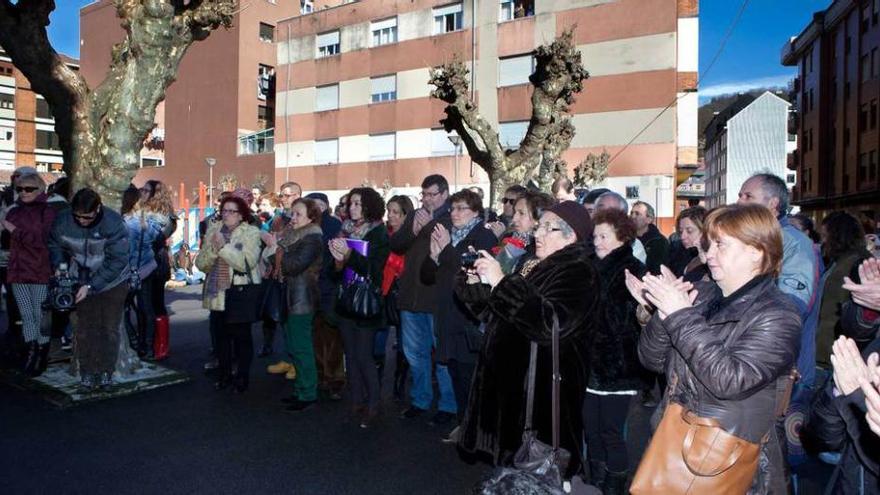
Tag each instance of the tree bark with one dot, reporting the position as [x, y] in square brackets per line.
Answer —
[558, 76]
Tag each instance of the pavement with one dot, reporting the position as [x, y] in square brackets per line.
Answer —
[188, 438]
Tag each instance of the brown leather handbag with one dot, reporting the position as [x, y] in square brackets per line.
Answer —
[689, 454]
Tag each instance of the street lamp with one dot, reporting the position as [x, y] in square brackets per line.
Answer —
[455, 139]
[210, 162]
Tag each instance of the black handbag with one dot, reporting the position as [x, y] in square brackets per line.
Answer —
[360, 300]
[243, 302]
[274, 307]
[392, 312]
[536, 465]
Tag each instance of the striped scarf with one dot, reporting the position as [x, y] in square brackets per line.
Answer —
[220, 276]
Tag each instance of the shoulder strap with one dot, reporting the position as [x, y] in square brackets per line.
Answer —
[556, 380]
[530, 390]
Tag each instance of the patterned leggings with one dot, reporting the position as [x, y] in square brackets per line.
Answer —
[30, 298]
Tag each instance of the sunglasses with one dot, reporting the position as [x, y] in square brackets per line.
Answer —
[27, 189]
[508, 200]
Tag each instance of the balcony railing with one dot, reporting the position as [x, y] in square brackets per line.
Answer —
[257, 143]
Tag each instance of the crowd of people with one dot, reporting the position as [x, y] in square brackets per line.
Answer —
[743, 311]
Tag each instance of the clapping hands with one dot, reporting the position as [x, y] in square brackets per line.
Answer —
[440, 238]
[339, 249]
[867, 292]
[665, 292]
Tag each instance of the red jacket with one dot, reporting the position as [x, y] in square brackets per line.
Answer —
[28, 252]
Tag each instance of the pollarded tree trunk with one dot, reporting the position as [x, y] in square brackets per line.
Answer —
[101, 132]
[558, 76]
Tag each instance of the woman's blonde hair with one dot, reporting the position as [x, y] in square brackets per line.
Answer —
[156, 198]
[753, 225]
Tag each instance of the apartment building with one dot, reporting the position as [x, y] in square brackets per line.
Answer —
[837, 90]
[27, 128]
[749, 136]
[354, 105]
[221, 106]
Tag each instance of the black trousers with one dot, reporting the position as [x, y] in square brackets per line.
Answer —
[235, 348]
[360, 367]
[604, 423]
[160, 275]
[462, 374]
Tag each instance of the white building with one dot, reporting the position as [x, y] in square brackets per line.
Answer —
[750, 136]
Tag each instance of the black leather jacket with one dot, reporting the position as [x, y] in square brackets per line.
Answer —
[729, 356]
[301, 266]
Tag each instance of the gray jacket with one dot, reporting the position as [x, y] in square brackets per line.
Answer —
[96, 255]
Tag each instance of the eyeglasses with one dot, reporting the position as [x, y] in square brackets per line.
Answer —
[460, 208]
[429, 194]
[508, 200]
[546, 228]
[228, 212]
[27, 189]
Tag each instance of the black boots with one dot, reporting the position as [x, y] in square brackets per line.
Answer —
[44, 359]
[31, 363]
[597, 474]
[615, 483]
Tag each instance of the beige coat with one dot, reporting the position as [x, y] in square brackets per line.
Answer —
[244, 245]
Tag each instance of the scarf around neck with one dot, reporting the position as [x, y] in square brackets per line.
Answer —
[458, 234]
[358, 230]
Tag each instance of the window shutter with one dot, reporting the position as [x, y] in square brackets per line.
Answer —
[327, 98]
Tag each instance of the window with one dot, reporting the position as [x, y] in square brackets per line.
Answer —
[862, 170]
[327, 151]
[7, 101]
[265, 117]
[865, 68]
[382, 146]
[151, 162]
[863, 117]
[875, 64]
[440, 143]
[327, 98]
[257, 142]
[47, 140]
[515, 70]
[514, 9]
[43, 111]
[7, 133]
[632, 192]
[266, 82]
[789, 179]
[306, 7]
[872, 166]
[384, 32]
[328, 44]
[267, 33]
[447, 19]
[873, 114]
[383, 88]
[511, 134]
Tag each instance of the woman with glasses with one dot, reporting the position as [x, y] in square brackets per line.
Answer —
[229, 256]
[458, 331]
[559, 282]
[29, 222]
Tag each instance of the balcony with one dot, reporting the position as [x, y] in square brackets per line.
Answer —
[793, 161]
[257, 143]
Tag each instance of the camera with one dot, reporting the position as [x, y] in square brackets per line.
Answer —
[62, 291]
[468, 259]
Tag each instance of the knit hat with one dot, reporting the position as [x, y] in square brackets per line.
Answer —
[21, 171]
[576, 216]
[319, 195]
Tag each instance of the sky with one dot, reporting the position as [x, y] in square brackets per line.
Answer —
[750, 58]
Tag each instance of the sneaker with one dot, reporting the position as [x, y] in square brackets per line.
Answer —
[279, 368]
[300, 405]
[453, 435]
[66, 344]
[291, 373]
[441, 418]
[412, 412]
[106, 380]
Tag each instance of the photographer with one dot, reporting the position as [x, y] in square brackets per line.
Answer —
[93, 241]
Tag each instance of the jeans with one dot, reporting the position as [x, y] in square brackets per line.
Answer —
[146, 316]
[418, 341]
[604, 427]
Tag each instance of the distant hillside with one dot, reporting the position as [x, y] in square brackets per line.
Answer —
[719, 103]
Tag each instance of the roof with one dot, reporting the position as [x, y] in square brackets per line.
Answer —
[822, 21]
[718, 123]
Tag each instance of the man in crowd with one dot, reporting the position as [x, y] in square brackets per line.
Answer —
[656, 245]
[326, 337]
[591, 198]
[417, 303]
[799, 275]
[288, 193]
[93, 241]
[563, 189]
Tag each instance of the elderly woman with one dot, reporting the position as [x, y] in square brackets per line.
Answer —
[29, 223]
[518, 309]
[521, 241]
[302, 248]
[614, 369]
[364, 210]
[727, 347]
[687, 258]
[458, 332]
[229, 256]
